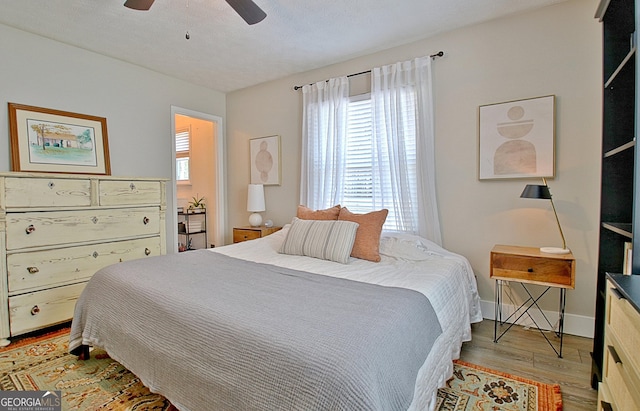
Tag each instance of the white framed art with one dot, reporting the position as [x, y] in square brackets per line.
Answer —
[265, 160]
[516, 139]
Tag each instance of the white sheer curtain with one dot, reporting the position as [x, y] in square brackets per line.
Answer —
[402, 116]
[324, 126]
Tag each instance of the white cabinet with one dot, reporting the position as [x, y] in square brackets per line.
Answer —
[57, 230]
[620, 386]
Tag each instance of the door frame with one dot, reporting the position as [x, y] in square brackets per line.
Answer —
[219, 219]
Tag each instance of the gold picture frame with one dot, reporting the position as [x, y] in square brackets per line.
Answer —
[516, 139]
[264, 154]
[54, 141]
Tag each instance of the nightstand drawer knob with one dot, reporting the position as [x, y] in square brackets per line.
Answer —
[35, 310]
[33, 270]
[30, 229]
[530, 270]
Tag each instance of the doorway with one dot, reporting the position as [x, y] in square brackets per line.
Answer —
[206, 174]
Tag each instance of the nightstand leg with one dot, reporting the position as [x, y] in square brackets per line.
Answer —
[563, 302]
[497, 302]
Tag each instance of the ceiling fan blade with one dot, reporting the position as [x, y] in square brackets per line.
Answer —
[247, 9]
[138, 4]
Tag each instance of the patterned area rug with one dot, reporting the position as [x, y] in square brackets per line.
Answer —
[42, 363]
[477, 388]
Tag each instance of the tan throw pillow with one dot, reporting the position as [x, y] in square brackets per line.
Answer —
[305, 213]
[367, 244]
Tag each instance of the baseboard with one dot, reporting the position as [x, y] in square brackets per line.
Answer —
[579, 325]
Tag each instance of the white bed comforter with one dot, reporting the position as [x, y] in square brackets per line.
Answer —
[445, 278]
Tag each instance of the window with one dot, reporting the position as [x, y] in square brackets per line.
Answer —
[368, 174]
[183, 147]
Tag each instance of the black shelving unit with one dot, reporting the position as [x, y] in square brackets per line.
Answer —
[619, 210]
[184, 217]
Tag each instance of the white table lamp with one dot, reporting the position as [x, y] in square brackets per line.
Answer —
[255, 204]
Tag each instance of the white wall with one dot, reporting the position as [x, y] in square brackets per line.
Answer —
[554, 50]
[136, 102]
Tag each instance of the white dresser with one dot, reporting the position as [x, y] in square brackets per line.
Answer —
[57, 230]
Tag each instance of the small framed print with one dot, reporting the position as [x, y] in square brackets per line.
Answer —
[265, 160]
[54, 141]
[517, 139]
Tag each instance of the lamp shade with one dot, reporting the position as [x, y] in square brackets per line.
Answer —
[536, 191]
[255, 198]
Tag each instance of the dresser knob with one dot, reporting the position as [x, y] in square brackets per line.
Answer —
[94, 220]
[147, 251]
[95, 254]
[51, 184]
[35, 310]
[530, 270]
[132, 186]
[30, 229]
[32, 270]
[145, 220]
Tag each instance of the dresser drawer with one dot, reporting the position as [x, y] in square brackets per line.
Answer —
[28, 312]
[129, 192]
[47, 192]
[35, 229]
[28, 271]
[623, 322]
[617, 377]
[604, 398]
[532, 269]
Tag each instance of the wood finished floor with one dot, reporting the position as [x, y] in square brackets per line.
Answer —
[526, 353]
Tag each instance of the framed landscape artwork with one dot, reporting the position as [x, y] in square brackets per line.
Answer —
[265, 160]
[516, 139]
[53, 141]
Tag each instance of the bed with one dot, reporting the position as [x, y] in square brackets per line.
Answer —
[220, 329]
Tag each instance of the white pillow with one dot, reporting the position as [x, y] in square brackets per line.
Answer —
[407, 247]
[325, 239]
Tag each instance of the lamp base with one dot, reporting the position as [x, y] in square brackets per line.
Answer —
[255, 220]
[554, 250]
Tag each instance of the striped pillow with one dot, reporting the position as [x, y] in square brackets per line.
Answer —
[325, 239]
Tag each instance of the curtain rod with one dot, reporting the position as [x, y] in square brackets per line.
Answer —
[433, 56]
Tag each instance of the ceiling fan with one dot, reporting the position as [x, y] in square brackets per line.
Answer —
[247, 9]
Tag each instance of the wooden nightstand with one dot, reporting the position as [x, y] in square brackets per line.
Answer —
[251, 233]
[528, 265]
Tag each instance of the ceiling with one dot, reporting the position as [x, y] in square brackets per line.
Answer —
[225, 54]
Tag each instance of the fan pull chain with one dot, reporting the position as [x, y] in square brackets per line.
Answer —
[187, 36]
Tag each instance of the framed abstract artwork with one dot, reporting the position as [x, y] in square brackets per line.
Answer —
[517, 139]
[265, 160]
[54, 141]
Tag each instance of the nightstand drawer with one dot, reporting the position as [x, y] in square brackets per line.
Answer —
[241, 234]
[532, 269]
[245, 235]
[556, 271]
